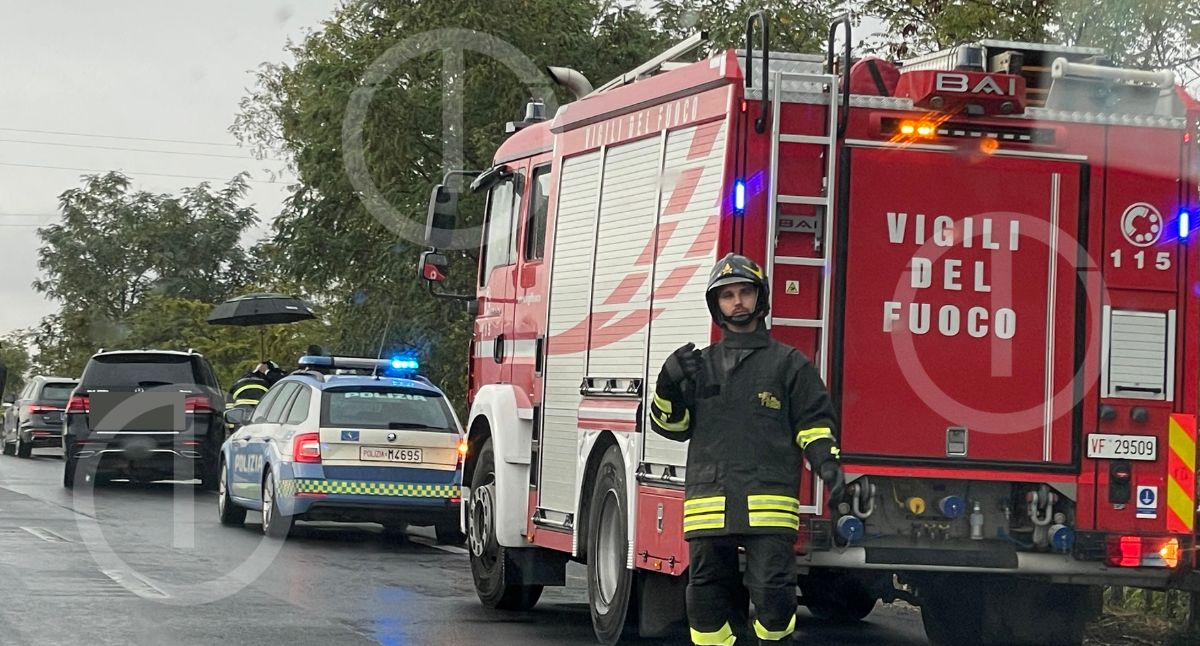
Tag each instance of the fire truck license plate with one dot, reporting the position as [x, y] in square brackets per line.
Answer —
[1122, 447]
[388, 454]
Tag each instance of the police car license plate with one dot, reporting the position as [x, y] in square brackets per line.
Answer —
[388, 454]
[1122, 447]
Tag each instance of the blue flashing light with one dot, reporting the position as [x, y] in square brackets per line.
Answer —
[405, 364]
[1185, 224]
[739, 195]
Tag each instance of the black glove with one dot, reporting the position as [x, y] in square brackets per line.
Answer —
[681, 366]
[831, 474]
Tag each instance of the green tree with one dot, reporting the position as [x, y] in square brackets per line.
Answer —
[794, 26]
[325, 240]
[174, 323]
[1162, 34]
[14, 354]
[115, 246]
[920, 26]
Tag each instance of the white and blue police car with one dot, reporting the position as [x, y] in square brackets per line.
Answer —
[346, 439]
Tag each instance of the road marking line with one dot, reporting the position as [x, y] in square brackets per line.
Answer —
[136, 584]
[46, 535]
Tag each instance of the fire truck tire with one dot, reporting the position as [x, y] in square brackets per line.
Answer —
[489, 562]
[952, 616]
[610, 583]
[998, 613]
[837, 598]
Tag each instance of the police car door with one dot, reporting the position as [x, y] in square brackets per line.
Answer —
[264, 435]
[295, 419]
[241, 474]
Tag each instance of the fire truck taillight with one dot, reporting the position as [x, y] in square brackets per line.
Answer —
[1125, 551]
[1169, 552]
[1136, 551]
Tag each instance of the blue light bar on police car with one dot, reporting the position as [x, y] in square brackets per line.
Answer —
[405, 364]
[383, 366]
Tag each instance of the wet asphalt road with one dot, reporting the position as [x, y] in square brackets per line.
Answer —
[150, 565]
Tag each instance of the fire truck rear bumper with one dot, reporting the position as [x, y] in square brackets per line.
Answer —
[1056, 568]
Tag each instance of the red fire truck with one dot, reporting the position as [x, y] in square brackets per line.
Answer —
[988, 253]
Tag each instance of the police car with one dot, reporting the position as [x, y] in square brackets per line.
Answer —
[346, 439]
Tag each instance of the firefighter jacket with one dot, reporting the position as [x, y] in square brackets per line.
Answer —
[248, 390]
[752, 413]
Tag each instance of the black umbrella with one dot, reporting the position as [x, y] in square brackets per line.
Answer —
[260, 309]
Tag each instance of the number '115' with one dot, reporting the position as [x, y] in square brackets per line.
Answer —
[1162, 261]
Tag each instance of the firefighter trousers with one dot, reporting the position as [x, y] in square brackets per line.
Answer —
[712, 590]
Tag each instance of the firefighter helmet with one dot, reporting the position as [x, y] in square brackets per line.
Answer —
[735, 268]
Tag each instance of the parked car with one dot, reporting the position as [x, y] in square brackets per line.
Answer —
[144, 415]
[346, 447]
[35, 419]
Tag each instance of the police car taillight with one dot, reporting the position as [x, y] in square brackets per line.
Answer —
[307, 448]
[462, 450]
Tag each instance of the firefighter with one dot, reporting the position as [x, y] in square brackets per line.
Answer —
[753, 408]
[249, 389]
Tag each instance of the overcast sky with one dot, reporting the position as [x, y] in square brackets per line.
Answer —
[139, 75]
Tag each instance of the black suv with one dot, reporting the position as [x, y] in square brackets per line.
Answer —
[144, 415]
[36, 417]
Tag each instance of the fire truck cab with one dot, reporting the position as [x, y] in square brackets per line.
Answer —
[988, 253]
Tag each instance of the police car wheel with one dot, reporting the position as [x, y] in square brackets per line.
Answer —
[275, 524]
[610, 583]
[230, 513]
[489, 561]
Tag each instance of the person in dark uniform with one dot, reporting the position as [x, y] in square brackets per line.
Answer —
[250, 388]
[754, 409]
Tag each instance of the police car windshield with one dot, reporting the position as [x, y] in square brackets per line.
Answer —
[385, 407]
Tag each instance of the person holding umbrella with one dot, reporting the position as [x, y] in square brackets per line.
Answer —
[256, 310]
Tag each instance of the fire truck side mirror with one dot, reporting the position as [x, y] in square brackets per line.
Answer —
[434, 266]
[442, 217]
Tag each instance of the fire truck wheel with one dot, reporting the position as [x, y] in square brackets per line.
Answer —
[837, 598]
[998, 612]
[489, 562]
[952, 616]
[609, 581]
